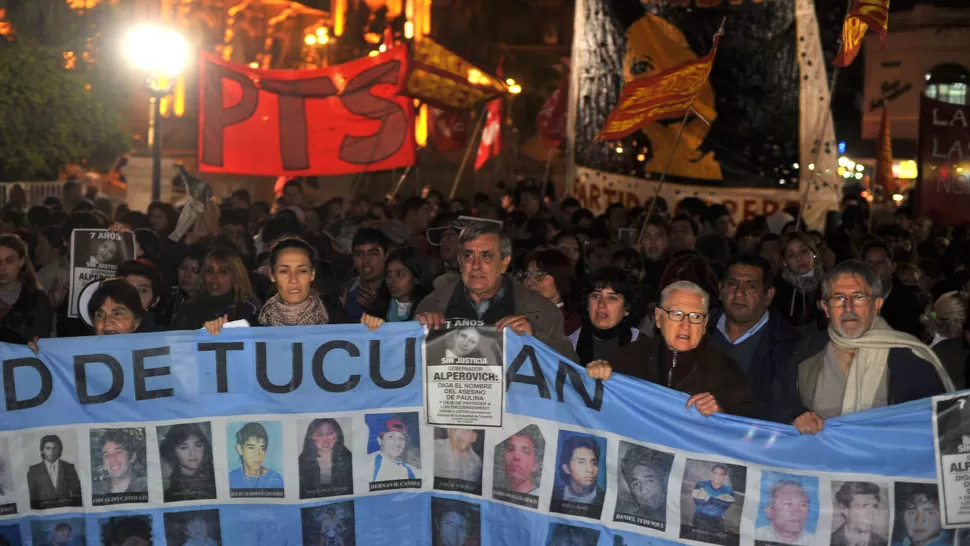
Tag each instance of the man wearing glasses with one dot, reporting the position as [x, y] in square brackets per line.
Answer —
[859, 362]
[682, 357]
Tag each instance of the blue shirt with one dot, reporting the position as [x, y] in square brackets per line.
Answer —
[270, 480]
[482, 308]
[721, 327]
[943, 539]
[713, 506]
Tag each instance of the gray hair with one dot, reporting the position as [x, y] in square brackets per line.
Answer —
[686, 286]
[474, 230]
[855, 268]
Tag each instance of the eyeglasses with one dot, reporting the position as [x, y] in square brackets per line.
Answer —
[537, 276]
[678, 316]
[858, 299]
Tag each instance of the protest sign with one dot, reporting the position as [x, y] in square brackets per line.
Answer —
[337, 416]
[95, 256]
[465, 380]
[951, 435]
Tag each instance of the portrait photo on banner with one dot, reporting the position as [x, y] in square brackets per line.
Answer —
[918, 519]
[463, 342]
[52, 478]
[254, 450]
[711, 502]
[65, 531]
[580, 482]
[119, 473]
[256, 526]
[126, 531]
[458, 454]
[10, 535]
[329, 524]
[860, 511]
[393, 451]
[325, 460]
[186, 455]
[517, 470]
[641, 495]
[8, 496]
[455, 522]
[102, 249]
[561, 534]
[789, 510]
[193, 528]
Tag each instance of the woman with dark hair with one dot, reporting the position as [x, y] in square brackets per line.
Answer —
[797, 289]
[50, 252]
[607, 322]
[326, 465]
[25, 310]
[226, 293]
[115, 308]
[549, 273]
[406, 283]
[186, 448]
[163, 217]
[145, 278]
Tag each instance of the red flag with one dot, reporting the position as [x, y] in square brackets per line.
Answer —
[664, 95]
[551, 121]
[884, 159]
[491, 143]
[448, 130]
[862, 15]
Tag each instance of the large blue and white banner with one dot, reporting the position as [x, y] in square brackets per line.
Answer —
[318, 436]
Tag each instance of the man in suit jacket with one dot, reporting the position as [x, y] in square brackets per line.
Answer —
[53, 482]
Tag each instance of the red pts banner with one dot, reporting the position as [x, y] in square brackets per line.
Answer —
[944, 162]
[337, 120]
[447, 130]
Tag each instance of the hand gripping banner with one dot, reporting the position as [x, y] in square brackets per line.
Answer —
[318, 436]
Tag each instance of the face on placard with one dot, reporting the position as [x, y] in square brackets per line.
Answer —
[393, 443]
[325, 437]
[647, 486]
[462, 438]
[116, 460]
[682, 335]
[788, 510]
[293, 274]
[465, 341]
[51, 452]
[922, 519]
[521, 462]
[106, 251]
[583, 468]
[482, 264]
[253, 453]
[860, 515]
[718, 475]
[850, 306]
[190, 454]
[452, 529]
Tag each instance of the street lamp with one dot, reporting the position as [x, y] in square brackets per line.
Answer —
[161, 55]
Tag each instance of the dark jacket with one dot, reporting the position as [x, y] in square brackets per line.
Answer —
[799, 309]
[910, 377]
[203, 308]
[766, 370]
[709, 370]
[67, 490]
[31, 316]
[902, 309]
[953, 353]
[545, 317]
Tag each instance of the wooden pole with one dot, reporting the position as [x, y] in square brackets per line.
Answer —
[663, 174]
[472, 143]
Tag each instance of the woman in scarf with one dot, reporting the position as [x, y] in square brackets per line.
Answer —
[226, 293]
[797, 290]
[25, 310]
[607, 325]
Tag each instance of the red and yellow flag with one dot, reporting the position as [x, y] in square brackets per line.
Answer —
[884, 157]
[862, 15]
[664, 95]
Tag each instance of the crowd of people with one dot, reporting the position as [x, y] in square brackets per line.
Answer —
[764, 319]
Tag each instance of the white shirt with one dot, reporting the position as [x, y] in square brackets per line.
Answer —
[52, 471]
[768, 534]
[722, 327]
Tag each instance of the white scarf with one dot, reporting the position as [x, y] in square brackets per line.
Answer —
[871, 362]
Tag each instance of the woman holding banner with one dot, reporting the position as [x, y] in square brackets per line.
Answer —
[226, 293]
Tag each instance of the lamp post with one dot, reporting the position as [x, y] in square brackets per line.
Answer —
[161, 55]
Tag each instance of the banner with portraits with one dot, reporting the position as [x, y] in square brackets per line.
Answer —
[319, 436]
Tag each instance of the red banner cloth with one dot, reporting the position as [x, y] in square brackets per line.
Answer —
[337, 120]
[491, 143]
[551, 121]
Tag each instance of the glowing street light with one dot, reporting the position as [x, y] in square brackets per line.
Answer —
[515, 89]
[161, 54]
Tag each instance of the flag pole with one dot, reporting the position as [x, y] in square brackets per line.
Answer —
[471, 144]
[401, 180]
[545, 177]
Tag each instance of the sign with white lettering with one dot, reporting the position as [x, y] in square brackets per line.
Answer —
[464, 383]
[951, 435]
[95, 256]
[944, 162]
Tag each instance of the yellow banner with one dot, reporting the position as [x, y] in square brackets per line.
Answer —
[441, 78]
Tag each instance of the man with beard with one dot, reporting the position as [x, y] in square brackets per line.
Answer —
[787, 512]
[858, 502]
[386, 463]
[858, 362]
[749, 331]
[645, 474]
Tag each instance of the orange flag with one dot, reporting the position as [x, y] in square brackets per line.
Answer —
[884, 157]
[664, 95]
[862, 15]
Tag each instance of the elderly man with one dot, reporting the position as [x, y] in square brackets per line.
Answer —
[759, 339]
[859, 362]
[787, 511]
[484, 292]
[683, 358]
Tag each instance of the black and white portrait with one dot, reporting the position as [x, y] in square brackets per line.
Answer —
[193, 528]
[642, 486]
[52, 479]
[118, 470]
[458, 459]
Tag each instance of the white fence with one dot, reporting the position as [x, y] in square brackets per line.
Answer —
[36, 191]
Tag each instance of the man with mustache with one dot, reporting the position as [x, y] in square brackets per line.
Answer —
[749, 331]
[859, 362]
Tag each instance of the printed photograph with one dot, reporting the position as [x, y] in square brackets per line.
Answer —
[455, 523]
[193, 528]
[118, 470]
[257, 526]
[561, 534]
[52, 479]
[641, 496]
[711, 501]
[10, 535]
[8, 496]
[517, 471]
[860, 513]
[186, 454]
[393, 450]
[953, 424]
[918, 520]
[458, 456]
[580, 487]
[254, 450]
[325, 461]
[463, 343]
[789, 510]
[127, 531]
[329, 525]
[58, 532]
[97, 249]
